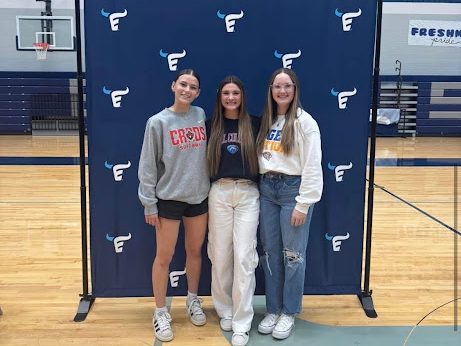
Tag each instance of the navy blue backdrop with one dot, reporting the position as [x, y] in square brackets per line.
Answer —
[133, 51]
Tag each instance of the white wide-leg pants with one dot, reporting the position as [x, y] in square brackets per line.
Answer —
[233, 222]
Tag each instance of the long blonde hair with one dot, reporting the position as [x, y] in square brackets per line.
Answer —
[245, 131]
[270, 114]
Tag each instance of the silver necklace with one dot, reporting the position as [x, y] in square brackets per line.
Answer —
[279, 120]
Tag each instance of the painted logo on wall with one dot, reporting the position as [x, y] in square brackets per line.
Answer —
[116, 95]
[114, 18]
[343, 96]
[347, 18]
[172, 58]
[118, 241]
[287, 59]
[117, 169]
[230, 19]
[336, 241]
[339, 170]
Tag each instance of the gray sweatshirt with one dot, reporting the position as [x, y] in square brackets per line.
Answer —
[172, 165]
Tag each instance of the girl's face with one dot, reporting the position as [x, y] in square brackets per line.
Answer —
[186, 89]
[231, 98]
[283, 91]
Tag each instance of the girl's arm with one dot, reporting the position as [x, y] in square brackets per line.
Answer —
[311, 187]
[147, 172]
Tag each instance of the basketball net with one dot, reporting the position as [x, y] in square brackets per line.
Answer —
[41, 48]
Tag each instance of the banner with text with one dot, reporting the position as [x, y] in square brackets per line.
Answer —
[434, 33]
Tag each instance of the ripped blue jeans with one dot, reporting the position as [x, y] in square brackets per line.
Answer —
[284, 246]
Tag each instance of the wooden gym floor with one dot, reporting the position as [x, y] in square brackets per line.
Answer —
[413, 259]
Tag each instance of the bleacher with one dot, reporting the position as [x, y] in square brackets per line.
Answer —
[47, 104]
[403, 97]
[429, 105]
[439, 108]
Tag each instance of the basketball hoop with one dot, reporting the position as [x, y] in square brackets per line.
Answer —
[41, 48]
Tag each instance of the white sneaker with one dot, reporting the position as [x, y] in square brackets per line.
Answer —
[195, 311]
[240, 339]
[267, 325]
[162, 328]
[284, 327]
[226, 324]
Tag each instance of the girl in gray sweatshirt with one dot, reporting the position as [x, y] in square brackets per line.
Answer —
[173, 186]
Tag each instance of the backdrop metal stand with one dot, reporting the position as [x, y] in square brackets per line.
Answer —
[365, 295]
[86, 300]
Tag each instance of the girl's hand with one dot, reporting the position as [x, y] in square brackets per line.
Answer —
[153, 220]
[297, 218]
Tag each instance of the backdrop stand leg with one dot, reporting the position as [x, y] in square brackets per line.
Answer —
[86, 300]
[84, 308]
[367, 304]
[365, 295]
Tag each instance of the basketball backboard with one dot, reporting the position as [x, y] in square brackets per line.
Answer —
[57, 31]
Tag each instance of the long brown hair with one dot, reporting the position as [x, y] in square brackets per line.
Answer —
[245, 131]
[270, 114]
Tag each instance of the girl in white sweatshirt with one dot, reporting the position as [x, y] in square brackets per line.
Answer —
[289, 155]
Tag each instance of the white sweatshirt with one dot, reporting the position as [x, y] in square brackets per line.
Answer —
[304, 160]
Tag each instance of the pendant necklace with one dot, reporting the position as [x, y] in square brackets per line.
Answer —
[279, 120]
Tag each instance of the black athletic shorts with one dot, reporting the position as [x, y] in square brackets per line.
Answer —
[175, 210]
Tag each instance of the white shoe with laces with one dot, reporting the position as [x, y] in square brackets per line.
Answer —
[267, 325]
[162, 328]
[240, 339]
[195, 311]
[226, 324]
[283, 327]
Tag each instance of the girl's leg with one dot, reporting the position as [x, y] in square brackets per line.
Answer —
[220, 248]
[166, 237]
[271, 240]
[246, 219]
[295, 241]
[195, 230]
